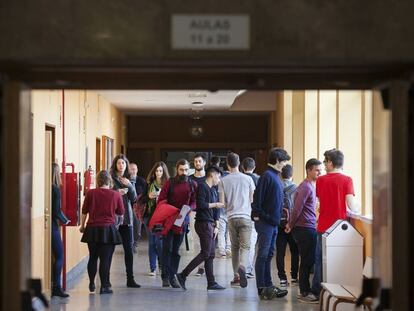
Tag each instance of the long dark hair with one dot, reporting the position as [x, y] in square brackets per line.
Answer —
[151, 175]
[113, 170]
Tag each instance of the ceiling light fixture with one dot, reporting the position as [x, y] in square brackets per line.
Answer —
[197, 95]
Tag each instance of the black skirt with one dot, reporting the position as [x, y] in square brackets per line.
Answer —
[106, 235]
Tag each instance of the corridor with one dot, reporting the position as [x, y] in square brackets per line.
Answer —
[152, 297]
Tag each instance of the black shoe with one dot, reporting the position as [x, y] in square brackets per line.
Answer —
[174, 283]
[132, 283]
[58, 292]
[243, 278]
[181, 280]
[215, 286]
[165, 283]
[276, 292]
[199, 272]
[92, 287]
[106, 290]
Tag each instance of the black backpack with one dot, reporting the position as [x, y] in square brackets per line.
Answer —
[287, 204]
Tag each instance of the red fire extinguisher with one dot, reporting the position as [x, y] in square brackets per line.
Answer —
[89, 180]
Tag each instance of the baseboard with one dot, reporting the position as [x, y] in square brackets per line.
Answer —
[73, 276]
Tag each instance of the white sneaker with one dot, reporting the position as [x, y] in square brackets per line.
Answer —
[310, 298]
[284, 283]
[152, 273]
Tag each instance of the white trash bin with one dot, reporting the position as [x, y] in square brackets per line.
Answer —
[342, 254]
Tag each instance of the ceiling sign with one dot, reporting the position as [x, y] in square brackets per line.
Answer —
[210, 32]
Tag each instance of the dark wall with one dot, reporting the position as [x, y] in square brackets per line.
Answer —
[240, 129]
[149, 139]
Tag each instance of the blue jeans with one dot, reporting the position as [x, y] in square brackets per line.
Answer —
[154, 249]
[57, 249]
[317, 277]
[266, 244]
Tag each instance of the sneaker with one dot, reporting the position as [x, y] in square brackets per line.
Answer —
[284, 283]
[250, 275]
[200, 272]
[310, 298]
[294, 281]
[152, 273]
[235, 281]
[215, 286]
[181, 280]
[222, 256]
[243, 278]
[165, 283]
[228, 254]
[275, 292]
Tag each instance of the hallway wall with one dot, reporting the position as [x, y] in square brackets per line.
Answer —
[318, 120]
[87, 116]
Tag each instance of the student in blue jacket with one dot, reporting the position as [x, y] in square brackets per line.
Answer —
[266, 213]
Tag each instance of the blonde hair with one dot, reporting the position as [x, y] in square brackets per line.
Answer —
[56, 180]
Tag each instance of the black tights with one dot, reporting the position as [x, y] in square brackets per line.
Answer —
[103, 252]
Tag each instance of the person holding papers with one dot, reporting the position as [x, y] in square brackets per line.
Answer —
[206, 226]
[177, 191]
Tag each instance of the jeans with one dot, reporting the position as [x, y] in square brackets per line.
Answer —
[205, 231]
[266, 243]
[306, 241]
[223, 238]
[282, 240]
[103, 252]
[57, 250]
[154, 249]
[317, 277]
[253, 240]
[171, 254]
[240, 232]
[127, 242]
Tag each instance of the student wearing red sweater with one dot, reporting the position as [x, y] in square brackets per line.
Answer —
[101, 234]
[177, 191]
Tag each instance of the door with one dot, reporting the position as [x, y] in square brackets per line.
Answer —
[48, 210]
[98, 156]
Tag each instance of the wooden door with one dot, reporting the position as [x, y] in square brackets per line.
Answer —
[48, 211]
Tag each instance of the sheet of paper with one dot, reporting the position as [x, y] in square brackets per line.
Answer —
[183, 212]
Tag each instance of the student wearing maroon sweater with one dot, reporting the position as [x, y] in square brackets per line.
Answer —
[100, 233]
[177, 191]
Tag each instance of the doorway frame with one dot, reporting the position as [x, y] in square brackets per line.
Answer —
[16, 104]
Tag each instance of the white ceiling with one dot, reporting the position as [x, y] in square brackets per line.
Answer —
[161, 101]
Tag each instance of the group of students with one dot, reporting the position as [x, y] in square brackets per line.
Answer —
[257, 214]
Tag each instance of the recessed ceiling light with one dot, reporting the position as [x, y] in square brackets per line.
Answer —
[197, 104]
[197, 95]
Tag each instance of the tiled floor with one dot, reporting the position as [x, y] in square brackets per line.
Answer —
[152, 297]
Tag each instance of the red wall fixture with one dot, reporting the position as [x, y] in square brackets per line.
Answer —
[72, 208]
